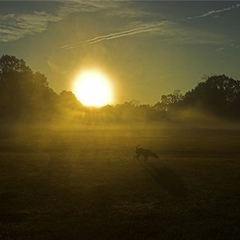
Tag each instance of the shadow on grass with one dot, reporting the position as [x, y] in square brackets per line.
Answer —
[167, 179]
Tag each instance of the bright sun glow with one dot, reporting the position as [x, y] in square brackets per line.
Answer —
[92, 88]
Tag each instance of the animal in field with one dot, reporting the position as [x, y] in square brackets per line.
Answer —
[146, 153]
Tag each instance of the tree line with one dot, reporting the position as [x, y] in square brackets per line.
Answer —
[25, 96]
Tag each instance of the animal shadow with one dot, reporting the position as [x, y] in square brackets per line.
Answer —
[167, 179]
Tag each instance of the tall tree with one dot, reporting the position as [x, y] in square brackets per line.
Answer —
[217, 94]
[23, 92]
[169, 101]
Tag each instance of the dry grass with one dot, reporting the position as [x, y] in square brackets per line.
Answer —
[84, 184]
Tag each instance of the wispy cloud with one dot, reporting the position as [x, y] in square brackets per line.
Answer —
[219, 49]
[177, 33]
[214, 12]
[80, 6]
[234, 46]
[16, 26]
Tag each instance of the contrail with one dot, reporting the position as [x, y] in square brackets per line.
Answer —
[215, 12]
[142, 29]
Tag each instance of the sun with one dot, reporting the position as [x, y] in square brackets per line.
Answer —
[93, 88]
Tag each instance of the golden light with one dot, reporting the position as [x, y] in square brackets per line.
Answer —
[92, 88]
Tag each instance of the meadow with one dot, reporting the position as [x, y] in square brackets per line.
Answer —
[83, 183]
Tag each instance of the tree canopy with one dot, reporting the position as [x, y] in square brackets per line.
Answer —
[217, 94]
[23, 93]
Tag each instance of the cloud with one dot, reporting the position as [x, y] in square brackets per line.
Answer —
[16, 26]
[79, 6]
[219, 49]
[214, 12]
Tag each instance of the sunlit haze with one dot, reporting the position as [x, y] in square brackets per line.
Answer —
[93, 88]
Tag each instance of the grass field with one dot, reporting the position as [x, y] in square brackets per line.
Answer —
[83, 183]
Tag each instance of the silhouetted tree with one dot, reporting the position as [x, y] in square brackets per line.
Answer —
[125, 111]
[169, 101]
[108, 114]
[10, 64]
[68, 101]
[69, 108]
[23, 93]
[218, 94]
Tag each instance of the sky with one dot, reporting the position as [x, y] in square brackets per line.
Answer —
[146, 48]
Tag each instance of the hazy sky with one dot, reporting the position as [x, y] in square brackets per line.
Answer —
[147, 48]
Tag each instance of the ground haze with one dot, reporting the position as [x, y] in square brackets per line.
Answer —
[83, 183]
